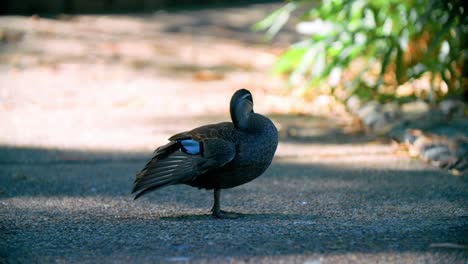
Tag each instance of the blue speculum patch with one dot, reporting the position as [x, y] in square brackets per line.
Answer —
[190, 146]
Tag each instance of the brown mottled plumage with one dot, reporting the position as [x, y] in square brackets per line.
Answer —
[217, 156]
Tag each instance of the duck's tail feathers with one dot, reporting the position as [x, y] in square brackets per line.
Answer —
[168, 166]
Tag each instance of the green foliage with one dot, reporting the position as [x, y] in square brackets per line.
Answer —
[405, 39]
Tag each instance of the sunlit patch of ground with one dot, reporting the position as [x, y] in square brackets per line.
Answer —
[128, 82]
[113, 88]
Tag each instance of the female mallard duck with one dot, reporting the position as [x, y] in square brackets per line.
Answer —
[217, 156]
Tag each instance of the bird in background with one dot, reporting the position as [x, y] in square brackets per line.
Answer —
[216, 156]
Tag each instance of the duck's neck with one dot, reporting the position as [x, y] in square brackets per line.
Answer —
[256, 123]
[242, 121]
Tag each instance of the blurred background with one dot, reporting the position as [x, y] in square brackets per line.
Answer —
[105, 6]
[104, 71]
[369, 97]
[102, 81]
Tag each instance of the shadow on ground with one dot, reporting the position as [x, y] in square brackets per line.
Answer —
[76, 205]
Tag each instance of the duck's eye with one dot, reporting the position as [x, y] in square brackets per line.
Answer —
[247, 96]
[190, 146]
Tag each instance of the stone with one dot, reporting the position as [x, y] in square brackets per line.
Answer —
[392, 109]
[440, 154]
[369, 108]
[353, 104]
[414, 108]
[452, 108]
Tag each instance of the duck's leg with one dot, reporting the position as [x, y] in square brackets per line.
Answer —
[216, 210]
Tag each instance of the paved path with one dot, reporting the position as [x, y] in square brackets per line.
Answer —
[336, 202]
[84, 101]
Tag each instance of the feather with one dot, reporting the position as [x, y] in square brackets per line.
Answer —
[190, 146]
[174, 168]
[182, 165]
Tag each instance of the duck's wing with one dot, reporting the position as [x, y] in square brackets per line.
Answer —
[186, 156]
[215, 131]
[214, 143]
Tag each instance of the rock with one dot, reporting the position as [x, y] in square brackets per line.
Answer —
[400, 132]
[452, 108]
[427, 121]
[410, 135]
[413, 109]
[425, 141]
[462, 146]
[381, 119]
[460, 166]
[436, 135]
[437, 150]
[353, 104]
[369, 108]
[392, 110]
[439, 155]
[373, 118]
[382, 124]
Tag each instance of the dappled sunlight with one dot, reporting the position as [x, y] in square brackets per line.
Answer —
[326, 204]
[86, 99]
[128, 82]
[350, 157]
[115, 207]
[101, 82]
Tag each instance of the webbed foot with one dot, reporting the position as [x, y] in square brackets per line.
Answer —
[216, 210]
[221, 214]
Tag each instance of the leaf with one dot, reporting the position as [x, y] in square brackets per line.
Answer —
[438, 37]
[363, 91]
[454, 75]
[403, 40]
[289, 60]
[369, 19]
[358, 78]
[303, 65]
[387, 27]
[319, 65]
[356, 9]
[399, 65]
[443, 74]
[444, 51]
[276, 20]
[335, 76]
[267, 21]
[417, 70]
[385, 63]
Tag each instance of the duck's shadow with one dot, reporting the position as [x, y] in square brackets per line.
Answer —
[241, 217]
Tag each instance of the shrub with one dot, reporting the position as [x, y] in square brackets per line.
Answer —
[375, 49]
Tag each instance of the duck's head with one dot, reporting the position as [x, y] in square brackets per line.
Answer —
[241, 108]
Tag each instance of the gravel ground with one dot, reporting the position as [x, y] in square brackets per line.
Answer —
[84, 100]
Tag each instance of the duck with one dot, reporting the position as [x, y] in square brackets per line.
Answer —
[215, 156]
